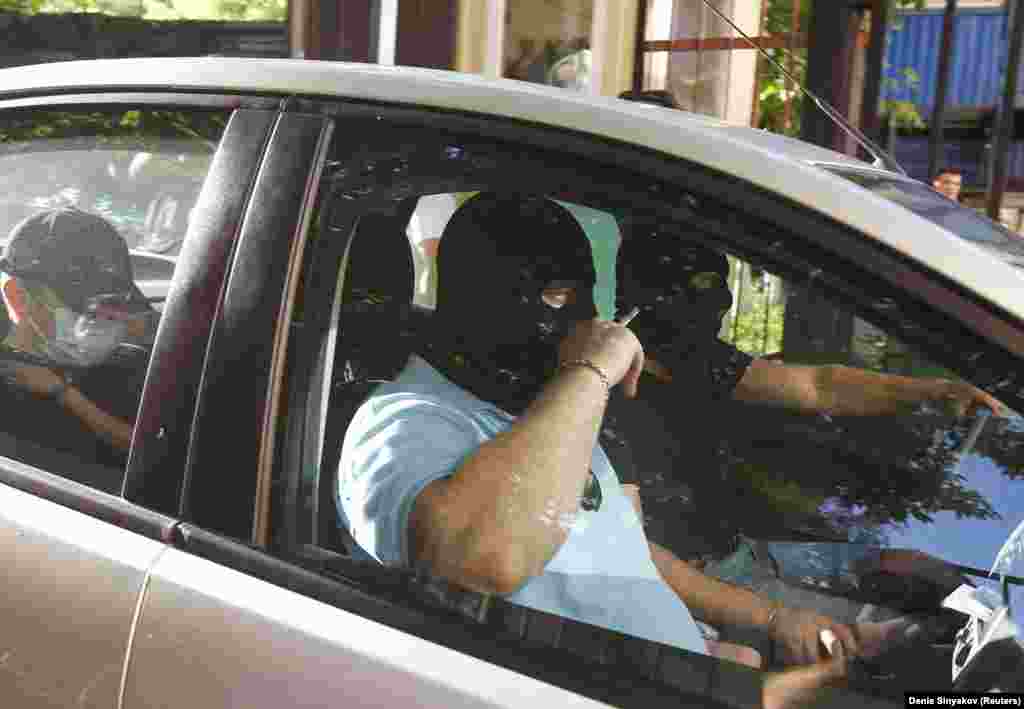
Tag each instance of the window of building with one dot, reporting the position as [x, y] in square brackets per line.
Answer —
[549, 42]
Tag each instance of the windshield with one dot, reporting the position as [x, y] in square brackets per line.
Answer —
[926, 202]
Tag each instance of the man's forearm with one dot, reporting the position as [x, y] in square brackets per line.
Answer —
[510, 506]
[110, 428]
[848, 391]
[709, 599]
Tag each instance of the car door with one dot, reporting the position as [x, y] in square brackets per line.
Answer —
[246, 628]
[81, 514]
[260, 603]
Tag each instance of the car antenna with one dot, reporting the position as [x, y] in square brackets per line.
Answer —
[882, 159]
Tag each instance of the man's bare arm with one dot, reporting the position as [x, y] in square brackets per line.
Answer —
[710, 600]
[110, 428]
[507, 510]
[722, 604]
[41, 381]
[848, 391]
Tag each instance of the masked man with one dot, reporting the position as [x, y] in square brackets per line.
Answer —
[681, 289]
[67, 286]
[480, 461]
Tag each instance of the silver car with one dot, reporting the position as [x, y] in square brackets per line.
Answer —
[198, 559]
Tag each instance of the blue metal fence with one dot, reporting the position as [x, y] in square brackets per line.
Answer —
[970, 156]
[979, 57]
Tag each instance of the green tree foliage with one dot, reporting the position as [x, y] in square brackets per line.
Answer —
[128, 8]
[774, 89]
[755, 324]
[253, 10]
[236, 10]
[828, 476]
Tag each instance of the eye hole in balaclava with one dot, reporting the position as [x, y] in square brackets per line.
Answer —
[681, 287]
[496, 334]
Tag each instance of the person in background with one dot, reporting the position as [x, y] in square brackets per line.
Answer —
[71, 301]
[949, 181]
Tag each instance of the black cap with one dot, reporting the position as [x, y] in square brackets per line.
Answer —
[77, 254]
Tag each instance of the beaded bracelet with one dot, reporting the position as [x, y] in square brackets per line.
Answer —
[592, 367]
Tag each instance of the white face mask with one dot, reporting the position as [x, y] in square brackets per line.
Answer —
[90, 340]
[78, 339]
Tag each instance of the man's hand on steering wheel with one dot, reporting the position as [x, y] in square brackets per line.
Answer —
[798, 633]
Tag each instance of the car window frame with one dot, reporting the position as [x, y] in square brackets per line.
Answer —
[1001, 333]
[249, 335]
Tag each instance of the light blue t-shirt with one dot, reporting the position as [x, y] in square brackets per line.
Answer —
[420, 428]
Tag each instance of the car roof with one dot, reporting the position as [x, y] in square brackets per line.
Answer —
[782, 165]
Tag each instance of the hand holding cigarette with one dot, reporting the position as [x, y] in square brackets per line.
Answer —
[828, 639]
[628, 317]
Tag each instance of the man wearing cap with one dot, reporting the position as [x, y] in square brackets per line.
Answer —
[67, 286]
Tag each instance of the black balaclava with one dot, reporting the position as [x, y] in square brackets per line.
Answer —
[494, 335]
[680, 286]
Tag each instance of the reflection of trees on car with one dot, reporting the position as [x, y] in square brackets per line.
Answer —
[108, 128]
[895, 469]
[125, 162]
[832, 477]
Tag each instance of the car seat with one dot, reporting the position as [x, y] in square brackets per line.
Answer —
[378, 330]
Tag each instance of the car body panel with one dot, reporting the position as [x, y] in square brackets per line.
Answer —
[243, 642]
[71, 590]
[749, 154]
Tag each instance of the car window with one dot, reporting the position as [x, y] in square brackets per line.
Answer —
[824, 487]
[92, 201]
[760, 481]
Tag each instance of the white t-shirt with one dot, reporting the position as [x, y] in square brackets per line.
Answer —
[420, 428]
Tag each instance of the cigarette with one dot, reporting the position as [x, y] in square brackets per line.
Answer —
[828, 639]
[628, 317]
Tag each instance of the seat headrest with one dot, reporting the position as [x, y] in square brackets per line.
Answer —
[380, 266]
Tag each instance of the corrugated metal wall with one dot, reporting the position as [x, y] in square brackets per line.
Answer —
[979, 56]
[970, 156]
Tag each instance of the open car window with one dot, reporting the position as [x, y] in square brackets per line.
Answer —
[795, 504]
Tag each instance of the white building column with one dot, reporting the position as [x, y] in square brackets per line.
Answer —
[743, 67]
